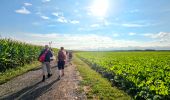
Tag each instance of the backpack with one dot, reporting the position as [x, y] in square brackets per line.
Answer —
[61, 56]
[42, 57]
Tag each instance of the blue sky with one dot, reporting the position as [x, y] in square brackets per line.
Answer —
[88, 24]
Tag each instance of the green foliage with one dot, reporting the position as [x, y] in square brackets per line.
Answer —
[99, 87]
[14, 54]
[146, 75]
[13, 72]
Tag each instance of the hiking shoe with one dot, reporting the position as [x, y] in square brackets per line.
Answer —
[49, 75]
[59, 77]
[43, 78]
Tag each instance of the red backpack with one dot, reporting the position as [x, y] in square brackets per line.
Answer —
[42, 57]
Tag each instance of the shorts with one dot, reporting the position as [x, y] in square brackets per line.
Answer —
[61, 65]
[46, 66]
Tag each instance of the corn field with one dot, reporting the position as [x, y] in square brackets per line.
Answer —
[14, 53]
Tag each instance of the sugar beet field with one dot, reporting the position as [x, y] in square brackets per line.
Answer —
[144, 75]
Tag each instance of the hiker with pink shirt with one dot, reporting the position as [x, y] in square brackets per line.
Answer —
[61, 61]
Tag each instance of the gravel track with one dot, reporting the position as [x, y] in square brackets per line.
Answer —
[29, 86]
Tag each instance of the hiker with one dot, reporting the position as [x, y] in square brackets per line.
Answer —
[46, 61]
[70, 55]
[61, 61]
[67, 58]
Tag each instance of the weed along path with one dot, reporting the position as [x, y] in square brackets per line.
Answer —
[95, 86]
[29, 86]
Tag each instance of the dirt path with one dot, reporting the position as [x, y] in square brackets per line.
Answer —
[29, 86]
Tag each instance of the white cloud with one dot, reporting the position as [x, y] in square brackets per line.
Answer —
[131, 33]
[27, 4]
[158, 35]
[58, 14]
[161, 37]
[45, 17]
[86, 41]
[74, 21]
[23, 10]
[82, 42]
[95, 25]
[55, 14]
[46, 1]
[133, 25]
[150, 35]
[62, 20]
[93, 41]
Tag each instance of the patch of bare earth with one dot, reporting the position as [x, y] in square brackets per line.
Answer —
[29, 86]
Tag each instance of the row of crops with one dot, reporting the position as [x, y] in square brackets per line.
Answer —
[144, 75]
[14, 53]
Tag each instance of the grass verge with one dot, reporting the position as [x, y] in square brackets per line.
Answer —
[11, 73]
[97, 87]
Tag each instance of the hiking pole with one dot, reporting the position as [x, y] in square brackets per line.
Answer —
[50, 44]
[52, 58]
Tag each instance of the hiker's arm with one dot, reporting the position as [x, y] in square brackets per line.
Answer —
[51, 54]
[65, 56]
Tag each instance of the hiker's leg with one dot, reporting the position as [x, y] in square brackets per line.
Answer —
[43, 68]
[63, 64]
[62, 72]
[59, 72]
[48, 67]
[59, 68]
[43, 71]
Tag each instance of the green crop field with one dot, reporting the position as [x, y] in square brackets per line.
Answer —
[17, 58]
[144, 75]
[14, 54]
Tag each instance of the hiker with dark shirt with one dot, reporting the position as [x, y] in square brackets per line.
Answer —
[46, 62]
[70, 57]
[67, 58]
[61, 61]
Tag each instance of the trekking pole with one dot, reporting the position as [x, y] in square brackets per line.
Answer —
[51, 50]
[50, 44]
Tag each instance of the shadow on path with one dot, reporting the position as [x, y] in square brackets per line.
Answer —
[31, 92]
